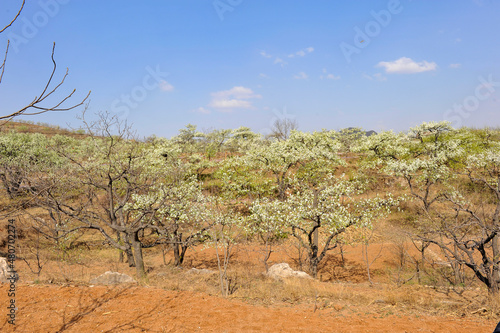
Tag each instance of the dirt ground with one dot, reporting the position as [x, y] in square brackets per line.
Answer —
[62, 300]
[140, 309]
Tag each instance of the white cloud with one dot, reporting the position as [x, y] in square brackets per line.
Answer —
[332, 77]
[376, 77]
[301, 76]
[203, 110]
[165, 86]
[407, 66]
[235, 98]
[279, 61]
[328, 76]
[238, 92]
[229, 104]
[302, 53]
[265, 54]
[264, 76]
[455, 65]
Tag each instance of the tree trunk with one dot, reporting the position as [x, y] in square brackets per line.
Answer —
[179, 253]
[119, 240]
[494, 287]
[128, 251]
[313, 257]
[177, 256]
[313, 267]
[139, 262]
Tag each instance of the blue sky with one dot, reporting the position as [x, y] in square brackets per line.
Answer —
[228, 63]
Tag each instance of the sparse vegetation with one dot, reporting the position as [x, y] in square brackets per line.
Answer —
[83, 198]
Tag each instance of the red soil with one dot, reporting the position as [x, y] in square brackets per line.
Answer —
[140, 309]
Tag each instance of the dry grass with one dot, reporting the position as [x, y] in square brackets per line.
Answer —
[250, 284]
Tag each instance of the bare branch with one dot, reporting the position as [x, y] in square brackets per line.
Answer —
[15, 18]
[35, 104]
[4, 60]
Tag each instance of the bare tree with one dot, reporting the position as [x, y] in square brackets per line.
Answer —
[37, 105]
[100, 180]
[282, 127]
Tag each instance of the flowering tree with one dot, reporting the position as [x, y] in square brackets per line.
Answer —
[313, 204]
[22, 154]
[182, 214]
[268, 224]
[459, 170]
[468, 233]
[310, 154]
[102, 174]
[316, 215]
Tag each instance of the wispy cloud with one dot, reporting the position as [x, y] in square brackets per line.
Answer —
[302, 53]
[280, 61]
[376, 77]
[332, 77]
[265, 54]
[202, 110]
[301, 76]
[264, 76]
[165, 86]
[235, 98]
[455, 65]
[328, 76]
[406, 65]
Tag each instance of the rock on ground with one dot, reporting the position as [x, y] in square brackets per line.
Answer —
[283, 270]
[110, 278]
[4, 268]
[202, 271]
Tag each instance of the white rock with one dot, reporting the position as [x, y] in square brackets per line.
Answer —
[4, 271]
[283, 270]
[200, 271]
[4, 267]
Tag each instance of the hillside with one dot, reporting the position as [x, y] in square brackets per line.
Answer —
[231, 204]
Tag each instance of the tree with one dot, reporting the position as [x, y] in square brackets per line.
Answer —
[303, 152]
[318, 214]
[21, 155]
[187, 138]
[282, 128]
[102, 176]
[213, 141]
[468, 233]
[454, 175]
[268, 225]
[37, 105]
[182, 214]
[243, 139]
[225, 234]
[311, 201]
